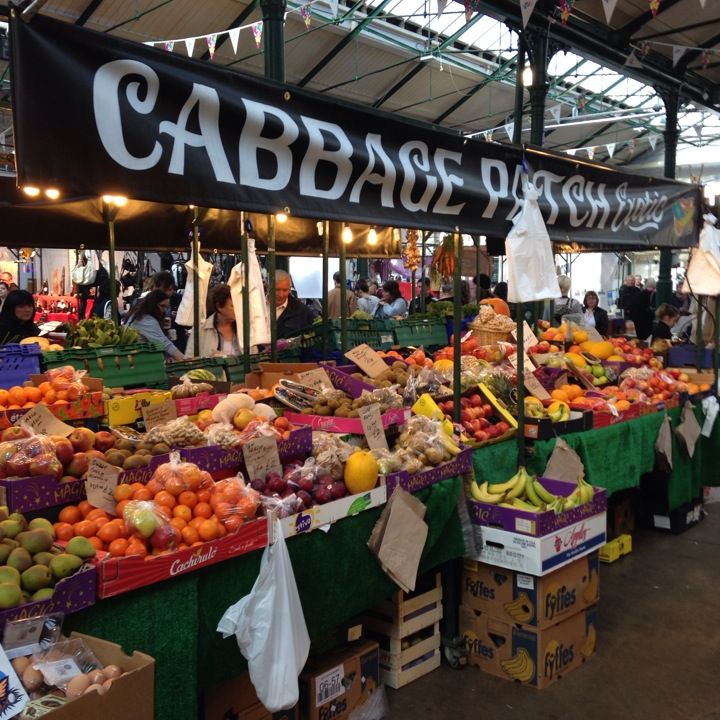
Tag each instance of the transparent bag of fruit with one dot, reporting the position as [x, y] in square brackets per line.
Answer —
[223, 434]
[28, 454]
[188, 389]
[389, 461]
[177, 476]
[67, 382]
[233, 502]
[282, 507]
[181, 432]
[330, 452]
[149, 522]
[65, 660]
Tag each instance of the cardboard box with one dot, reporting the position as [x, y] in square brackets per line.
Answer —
[527, 655]
[236, 698]
[270, 374]
[540, 555]
[346, 426]
[333, 685]
[130, 696]
[459, 465]
[681, 519]
[125, 409]
[621, 513]
[535, 601]
[538, 524]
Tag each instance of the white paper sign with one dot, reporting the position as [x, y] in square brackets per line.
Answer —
[371, 420]
[261, 457]
[101, 481]
[43, 422]
[367, 360]
[316, 379]
[710, 407]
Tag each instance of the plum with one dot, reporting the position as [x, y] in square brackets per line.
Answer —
[338, 489]
[326, 479]
[306, 484]
[324, 494]
[258, 485]
[287, 492]
[275, 483]
[305, 498]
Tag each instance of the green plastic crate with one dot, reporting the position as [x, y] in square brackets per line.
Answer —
[128, 366]
[377, 334]
[413, 332]
[235, 366]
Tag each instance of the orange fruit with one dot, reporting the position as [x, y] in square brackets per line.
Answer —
[43, 387]
[99, 522]
[189, 498]
[14, 406]
[4, 397]
[29, 405]
[50, 397]
[84, 528]
[178, 523]
[64, 531]
[118, 547]
[85, 507]
[120, 507]
[142, 494]
[208, 530]
[196, 522]
[175, 485]
[96, 542]
[224, 510]
[203, 510]
[62, 396]
[73, 392]
[189, 535]
[136, 548]
[221, 529]
[16, 395]
[165, 498]
[137, 486]
[96, 514]
[154, 486]
[203, 496]
[109, 532]
[232, 523]
[33, 394]
[70, 515]
[559, 394]
[122, 492]
[183, 512]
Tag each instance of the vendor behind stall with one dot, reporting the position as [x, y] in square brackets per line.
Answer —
[218, 333]
[292, 315]
[667, 315]
[16, 317]
[147, 317]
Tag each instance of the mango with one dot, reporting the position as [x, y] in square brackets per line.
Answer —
[65, 565]
[20, 518]
[11, 528]
[81, 547]
[35, 541]
[20, 559]
[42, 594]
[4, 553]
[43, 558]
[42, 524]
[10, 595]
[36, 578]
[577, 360]
[602, 349]
[9, 574]
[4, 512]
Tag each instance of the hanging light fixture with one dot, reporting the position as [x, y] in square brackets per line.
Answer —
[372, 236]
[347, 234]
[31, 191]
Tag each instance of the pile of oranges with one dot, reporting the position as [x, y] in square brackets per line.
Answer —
[62, 387]
[567, 393]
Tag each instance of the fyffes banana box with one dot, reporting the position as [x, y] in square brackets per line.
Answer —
[524, 599]
[530, 656]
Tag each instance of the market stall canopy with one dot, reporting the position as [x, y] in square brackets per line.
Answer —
[154, 125]
[143, 225]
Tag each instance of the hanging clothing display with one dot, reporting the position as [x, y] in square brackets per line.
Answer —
[185, 310]
[259, 322]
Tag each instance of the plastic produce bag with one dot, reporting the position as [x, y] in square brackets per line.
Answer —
[703, 273]
[530, 262]
[270, 628]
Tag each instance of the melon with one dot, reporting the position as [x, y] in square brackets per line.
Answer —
[576, 360]
[498, 304]
[602, 349]
[361, 472]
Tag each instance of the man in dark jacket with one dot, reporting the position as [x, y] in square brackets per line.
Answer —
[292, 314]
[627, 293]
[642, 310]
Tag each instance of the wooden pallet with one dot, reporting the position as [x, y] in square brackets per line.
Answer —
[397, 678]
[396, 653]
[403, 615]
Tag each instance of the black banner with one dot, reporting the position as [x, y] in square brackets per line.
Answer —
[96, 114]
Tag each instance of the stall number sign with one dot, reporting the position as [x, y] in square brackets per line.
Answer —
[367, 360]
[261, 457]
[371, 420]
[101, 481]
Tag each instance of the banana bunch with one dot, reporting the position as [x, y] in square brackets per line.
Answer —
[99, 333]
[525, 492]
[557, 411]
[521, 667]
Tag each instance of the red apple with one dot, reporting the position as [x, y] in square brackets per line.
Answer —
[82, 439]
[16, 432]
[466, 415]
[487, 409]
[46, 465]
[96, 454]
[63, 449]
[18, 465]
[476, 401]
[104, 440]
[68, 478]
[480, 436]
[79, 465]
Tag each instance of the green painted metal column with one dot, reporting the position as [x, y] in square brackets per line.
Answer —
[196, 280]
[270, 264]
[274, 38]
[457, 323]
[671, 98]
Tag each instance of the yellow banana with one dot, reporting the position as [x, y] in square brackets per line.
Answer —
[481, 494]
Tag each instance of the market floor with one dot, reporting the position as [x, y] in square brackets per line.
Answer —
[658, 647]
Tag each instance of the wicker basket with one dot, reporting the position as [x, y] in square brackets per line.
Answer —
[490, 337]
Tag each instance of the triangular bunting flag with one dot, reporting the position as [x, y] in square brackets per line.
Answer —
[611, 148]
[169, 45]
[234, 35]
[441, 7]
[698, 128]
[571, 152]
[190, 46]
[609, 8]
[632, 61]
[702, 3]
[150, 43]
[526, 8]
[489, 136]
[678, 52]
[468, 11]
[212, 42]
[654, 7]
[631, 146]
[257, 29]
[652, 139]
[555, 111]
[566, 8]
[509, 129]
[591, 153]
[305, 15]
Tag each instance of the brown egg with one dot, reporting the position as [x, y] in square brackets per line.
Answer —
[77, 686]
[112, 671]
[32, 679]
[97, 677]
[99, 689]
[19, 664]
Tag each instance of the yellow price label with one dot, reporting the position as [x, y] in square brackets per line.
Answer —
[427, 407]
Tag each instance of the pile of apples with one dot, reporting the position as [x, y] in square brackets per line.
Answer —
[477, 417]
[634, 354]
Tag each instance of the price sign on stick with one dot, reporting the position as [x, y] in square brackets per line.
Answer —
[159, 413]
[367, 360]
[372, 425]
[316, 379]
[101, 481]
[43, 422]
[261, 457]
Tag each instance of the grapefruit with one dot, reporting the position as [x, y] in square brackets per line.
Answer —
[361, 472]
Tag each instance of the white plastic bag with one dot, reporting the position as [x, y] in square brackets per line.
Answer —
[703, 273]
[530, 262]
[185, 310]
[270, 629]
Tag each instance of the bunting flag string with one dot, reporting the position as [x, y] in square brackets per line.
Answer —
[611, 148]
[652, 139]
[555, 111]
[609, 8]
[234, 33]
[509, 129]
[654, 7]
[566, 8]
[526, 9]
[630, 144]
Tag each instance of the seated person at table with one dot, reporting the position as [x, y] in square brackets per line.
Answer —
[292, 314]
[593, 314]
[218, 333]
[393, 304]
[147, 316]
[17, 317]
[666, 315]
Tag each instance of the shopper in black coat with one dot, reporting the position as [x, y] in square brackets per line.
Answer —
[292, 314]
[595, 316]
[642, 310]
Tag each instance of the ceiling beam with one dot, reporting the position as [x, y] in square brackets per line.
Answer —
[672, 31]
[691, 55]
[323, 62]
[90, 8]
[629, 29]
[239, 20]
